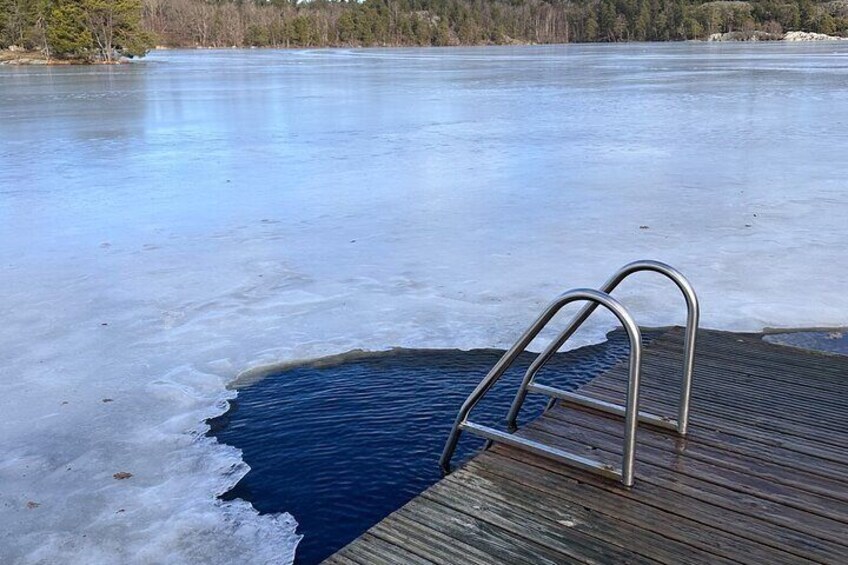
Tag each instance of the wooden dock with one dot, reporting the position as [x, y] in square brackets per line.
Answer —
[761, 478]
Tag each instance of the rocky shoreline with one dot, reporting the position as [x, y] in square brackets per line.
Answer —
[766, 36]
[21, 57]
[14, 57]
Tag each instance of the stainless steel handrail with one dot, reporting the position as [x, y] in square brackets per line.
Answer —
[596, 298]
[692, 318]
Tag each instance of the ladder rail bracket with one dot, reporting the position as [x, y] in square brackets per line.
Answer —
[602, 405]
[573, 459]
[632, 403]
[692, 321]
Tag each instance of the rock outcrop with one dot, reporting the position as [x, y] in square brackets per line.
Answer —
[765, 36]
[745, 36]
[810, 36]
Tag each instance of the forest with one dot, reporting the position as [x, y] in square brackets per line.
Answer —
[109, 29]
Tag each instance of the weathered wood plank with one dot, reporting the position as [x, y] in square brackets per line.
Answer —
[829, 369]
[558, 511]
[732, 388]
[513, 516]
[802, 379]
[650, 513]
[731, 382]
[751, 496]
[728, 380]
[827, 487]
[769, 450]
[709, 508]
[422, 540]
[704, 421]
[369, 549]
[738, 413]
[504, 545]
[580, 427]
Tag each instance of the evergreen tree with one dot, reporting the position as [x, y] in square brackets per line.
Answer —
[18, 20]
[67, 33]
[104, 29]
[116, 28]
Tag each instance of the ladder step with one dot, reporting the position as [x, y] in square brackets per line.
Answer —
[573, 459]
[602, 405]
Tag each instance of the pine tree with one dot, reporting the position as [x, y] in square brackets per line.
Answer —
[18, 18]
[67, 33]
[97, 28]
[116, 28]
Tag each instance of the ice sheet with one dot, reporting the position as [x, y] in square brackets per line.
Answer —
[170, 224]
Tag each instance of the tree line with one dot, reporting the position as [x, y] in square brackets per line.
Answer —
[80, 29]
[107, 29]
[321, 23]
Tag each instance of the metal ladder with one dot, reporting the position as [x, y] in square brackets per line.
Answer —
[630, 410]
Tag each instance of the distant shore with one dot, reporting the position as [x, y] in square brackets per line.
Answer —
[19, 57]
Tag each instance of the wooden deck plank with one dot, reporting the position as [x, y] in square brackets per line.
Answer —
[820, 485]
[730, 384]
[762, 477]
[711, 542]
[790, 379]
[520, 490]
[438, 547]
[514, 516]
[501, 543]
[734, 389]
[663, 368]
[766, 521]
[758, 354]
[796, 509]
[370, 549]
[715, 424]
[728, 414]
[756, 542]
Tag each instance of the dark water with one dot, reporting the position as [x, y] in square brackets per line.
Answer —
[342, 446]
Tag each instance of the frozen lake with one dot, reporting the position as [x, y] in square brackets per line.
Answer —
[169, 224]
